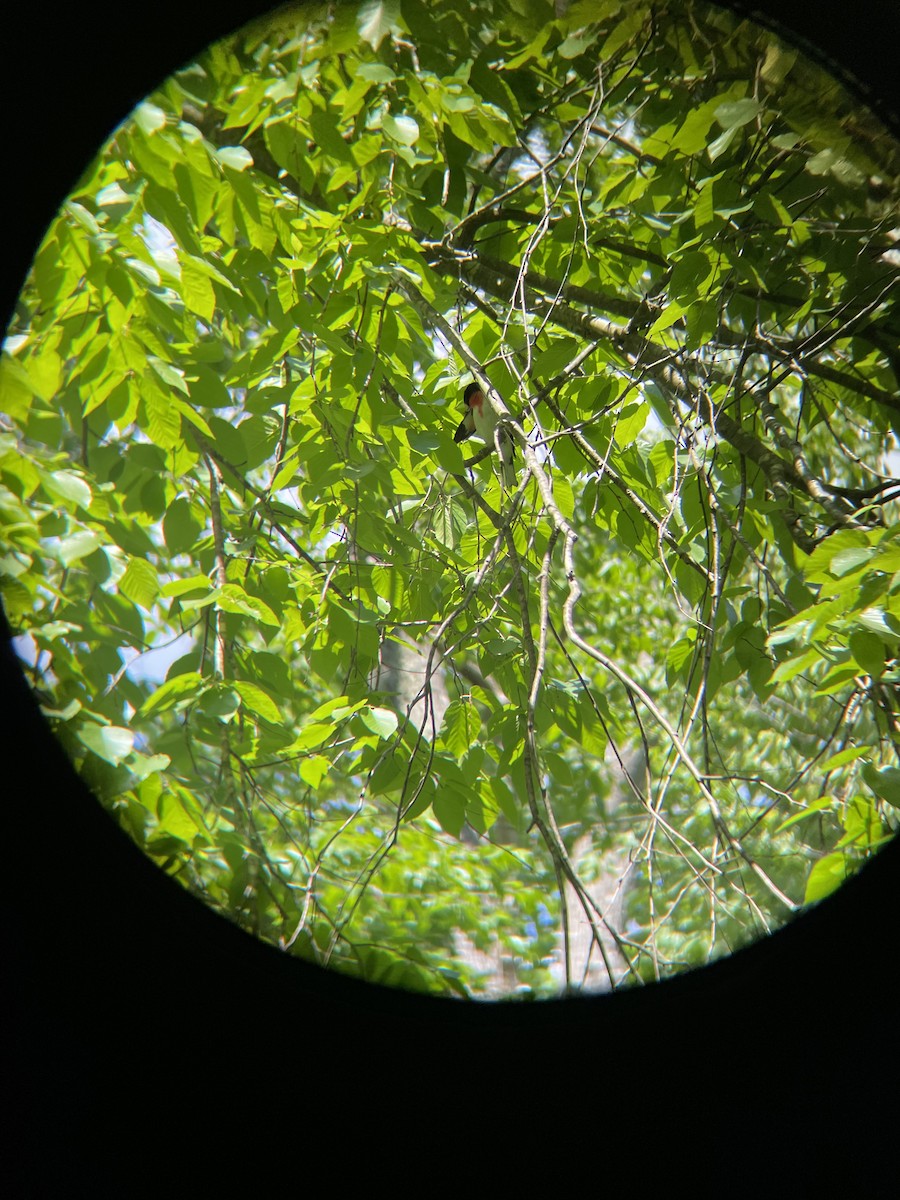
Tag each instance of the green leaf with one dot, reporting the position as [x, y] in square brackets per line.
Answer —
[175, 815]
[505, 800]
[450, 810]
[375, 19]
[77, 546]
[163, 419]
[885, 783]
[564, 496]
[229, 441]
[338, 708]
[690, 137]
[310, 737]
[233, 598]
[830, 162]
[149, 118]
[850, 754]
[174, 691]
[869, 651]
[817, 806]
[630, 423]
[181, 587]
[327, 134]
[826, 877]
[734, 114]
[257, 701]
[236, 157]
[170, 375]
[206, 388]
[110, 742]
[180, 527]
[15, 387]
[404, 130]
[688, 273]
[884, 624]
[679, 656]
[849, 560]
[220, 702]
[460, 728]
[375, 72]
[313, 769]
[66, 485]
[672, 313]
[818, 566]
[196, 288]
[145, 765]
[381, 721]
[575, 45]
[140, 582]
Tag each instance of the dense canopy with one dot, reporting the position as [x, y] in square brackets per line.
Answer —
[326, 670]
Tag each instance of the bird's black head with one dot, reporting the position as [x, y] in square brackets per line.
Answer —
[471, 390]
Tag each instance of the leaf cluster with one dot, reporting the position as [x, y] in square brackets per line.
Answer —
[235, 520]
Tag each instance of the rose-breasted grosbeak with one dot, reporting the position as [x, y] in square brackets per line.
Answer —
[480, 418]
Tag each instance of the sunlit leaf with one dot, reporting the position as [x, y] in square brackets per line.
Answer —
[140, 582]
[380, 720]
[375, 20]
[826, 877]
[108, 742]
[236, 157]
[170, 693]
[257, 701]
[402, 129]
[66, 485]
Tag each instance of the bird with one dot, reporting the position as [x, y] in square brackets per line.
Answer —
[480, 418]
